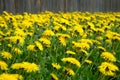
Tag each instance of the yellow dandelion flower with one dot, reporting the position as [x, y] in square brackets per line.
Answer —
[71, 60]
[19, 32]
[108, 56]
[3, 65]
[48, 33]
[70, 52]
[101, 48]
[100, 38]
[31, 47]
[78, 45]
[5, 76]
[62, 41]
[69, 71]
[17, 39]
[108, 41]
[9, 45]
[86, 41]
[30, 67]
[108, 69]
[96, 42]
[78, 29]
[6, 55]
[39, 45]
[91, 25]
[55, 65]
[88, 61]
[16, 66]
[45, 41]
[62, 35]
[17, 50]
[54, 77]
[84, 51]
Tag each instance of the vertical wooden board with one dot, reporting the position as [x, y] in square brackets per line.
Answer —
[1, 6]
[76, 5]
[29, 6]
[18, 6]
[21, 6]
[24, 5]
[99, 5]
[7, 5]
[32, 6]
[55, 7]
[69, 6]
[85, 5]
[92, 6]
[52, 5]
[88, 5]
[61, 5]
[103, 5]
[49, 5]
[65, 5]
[43, 5]
[118, 5]
[113, 5]
[12, 6]
[109, 6]
[81, 5]
[36, 4]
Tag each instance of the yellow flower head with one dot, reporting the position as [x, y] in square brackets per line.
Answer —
[108, 69]
[30, 67]
[62, 41]
[55, 65]
[6, 55]
[39, 45]
[82, 45]
[69, 71]
[101, 48]
[31, 47]
[84, 52]
[3, 65]
[17, 39]
[17, 50]
[45, 41]
[48, 33]
[54, 77]
[71, 60]
[108, 56]
[88, 61]
[5, 76]
[16, 66]
[70, 52]
[108, 41]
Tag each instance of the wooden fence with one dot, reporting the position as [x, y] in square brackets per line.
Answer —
[36, 6]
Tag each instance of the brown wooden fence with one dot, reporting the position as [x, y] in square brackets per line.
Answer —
[36, 6]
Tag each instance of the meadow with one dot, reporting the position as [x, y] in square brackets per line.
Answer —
[60, 46]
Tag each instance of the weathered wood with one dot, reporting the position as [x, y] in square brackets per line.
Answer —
[37, 6]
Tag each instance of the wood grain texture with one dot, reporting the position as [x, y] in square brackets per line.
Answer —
[37, 6]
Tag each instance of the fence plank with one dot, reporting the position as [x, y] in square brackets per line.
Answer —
[1, 6]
